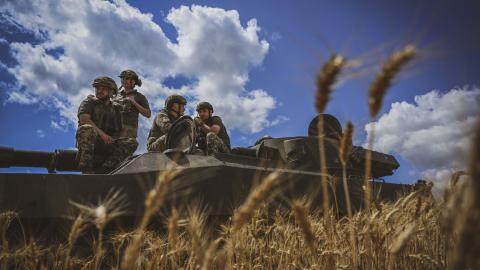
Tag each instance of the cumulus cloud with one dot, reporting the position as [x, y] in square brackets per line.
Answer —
[433, 133]
[75, 41]
[22, 98]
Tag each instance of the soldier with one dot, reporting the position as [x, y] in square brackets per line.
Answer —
[212, 136]
[174, 109]
[132, 103]
[99, 126]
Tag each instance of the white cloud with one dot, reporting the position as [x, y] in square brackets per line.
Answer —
[22, 98]
[40, 133]
[433, 133]
[60, 125]
[80, 40]
[279, 120]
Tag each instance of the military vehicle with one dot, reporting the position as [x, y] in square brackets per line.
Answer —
[218, 183]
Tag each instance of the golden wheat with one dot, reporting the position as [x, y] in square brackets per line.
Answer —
[325, 80]
[254, 200]
[384, 78]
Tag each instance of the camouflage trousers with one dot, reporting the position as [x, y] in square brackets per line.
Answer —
[215, 144]
[157, 144]
[91, 146]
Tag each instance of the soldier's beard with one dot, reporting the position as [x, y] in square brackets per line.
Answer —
[105, 98]
[175, 113]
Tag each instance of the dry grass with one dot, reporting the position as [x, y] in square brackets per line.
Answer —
[403, 235]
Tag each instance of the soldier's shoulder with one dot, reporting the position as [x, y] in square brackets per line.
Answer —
[91, 99]
[139, 94]
[162, 113]
[216, 119]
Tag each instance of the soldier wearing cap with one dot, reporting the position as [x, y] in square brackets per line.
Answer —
[212, 136]
[99, 127]
[174, 109]
[133, 103]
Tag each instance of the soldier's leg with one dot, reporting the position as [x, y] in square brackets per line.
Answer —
[122, 148]
[215, 144]
[86, 138]
[157, 144]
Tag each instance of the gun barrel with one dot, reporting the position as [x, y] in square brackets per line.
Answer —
[62, 160]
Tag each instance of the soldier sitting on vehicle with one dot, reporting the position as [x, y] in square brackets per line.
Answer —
[174, 109]
[133, 103]
[99, 126]
[212, 136]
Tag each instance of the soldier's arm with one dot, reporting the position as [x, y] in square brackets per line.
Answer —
[85, 119]
[216, 125]
[142, 110]
[215, 129]
[163, 122]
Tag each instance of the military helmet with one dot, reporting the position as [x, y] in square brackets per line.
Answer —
[106, 82]
[174, 99]
[128, 73]
[204, 105]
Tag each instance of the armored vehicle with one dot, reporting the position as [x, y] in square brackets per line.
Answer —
[218, 183]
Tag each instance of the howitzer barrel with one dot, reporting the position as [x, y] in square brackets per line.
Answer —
[61, 160]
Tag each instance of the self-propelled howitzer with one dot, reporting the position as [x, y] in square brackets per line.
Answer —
[219, 182]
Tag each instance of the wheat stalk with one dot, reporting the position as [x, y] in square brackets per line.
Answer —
[384, 78]
[325, 80]
[253, 201]
[376, 92]
[153, 202]
[466, 254]
[195, 227]
[303, 221]
[78, 226]
[344, 154]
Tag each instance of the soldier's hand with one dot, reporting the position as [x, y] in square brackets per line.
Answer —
[131, 99]
[198, 121]
[105, 138]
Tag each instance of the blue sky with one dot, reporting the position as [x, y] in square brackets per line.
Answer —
[300, 35]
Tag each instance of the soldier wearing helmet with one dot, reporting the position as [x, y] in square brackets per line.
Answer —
[100, 147]
[212, 136]
[133, 103]
[174, 109]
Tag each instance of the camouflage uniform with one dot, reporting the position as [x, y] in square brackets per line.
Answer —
[212, 143]
[129, 112]
[215, 144]
[158, 133]
[106, 116]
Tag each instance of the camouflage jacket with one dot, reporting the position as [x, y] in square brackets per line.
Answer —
[129, 112]
[222, 134]
[106, 116]
[161, 124]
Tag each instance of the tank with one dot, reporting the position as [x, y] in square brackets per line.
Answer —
[217, 183]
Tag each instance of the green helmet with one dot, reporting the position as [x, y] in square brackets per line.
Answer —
[204, 105]
[131, 74]
[106, 82]
[174, 99]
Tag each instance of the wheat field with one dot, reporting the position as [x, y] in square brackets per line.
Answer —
[415, 232]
